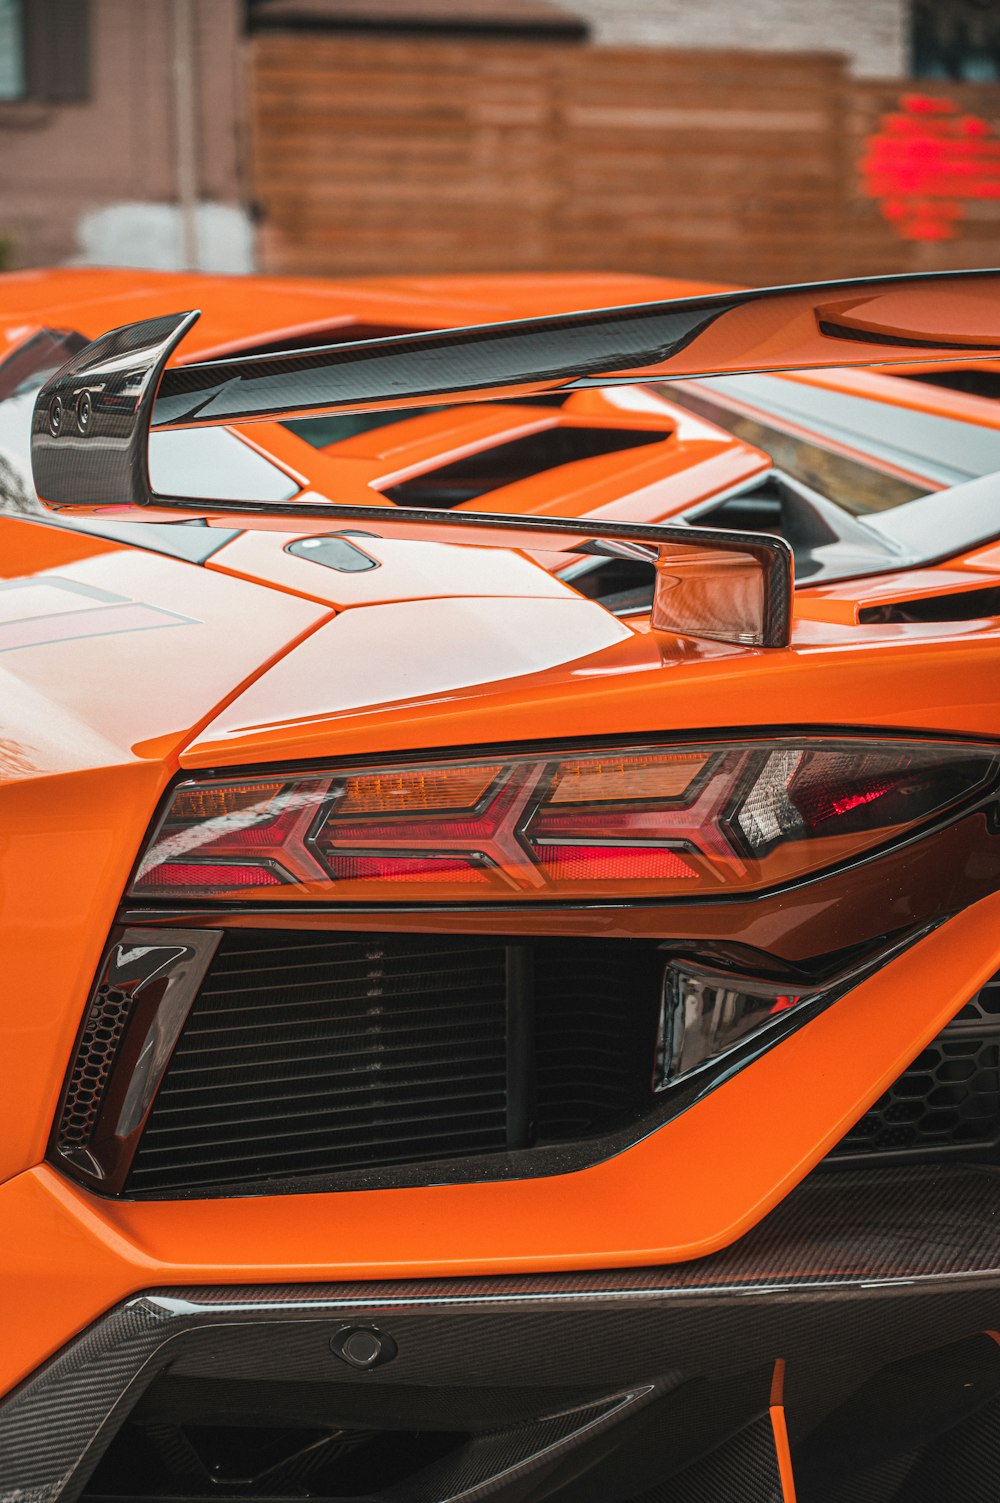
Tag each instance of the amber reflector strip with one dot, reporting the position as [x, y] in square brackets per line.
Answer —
[415, 791]
[605, 780]
[215, 803]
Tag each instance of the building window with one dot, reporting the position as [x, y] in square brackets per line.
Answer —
[12, 69]
[45, 51]
[957, 39]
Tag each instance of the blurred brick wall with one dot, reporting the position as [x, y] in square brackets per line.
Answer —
[872, 34]
[379, 155]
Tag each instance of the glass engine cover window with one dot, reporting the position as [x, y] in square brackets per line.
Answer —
[682, 821]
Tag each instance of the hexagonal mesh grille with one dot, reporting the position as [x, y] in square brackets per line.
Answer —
[92, 1065]
[948, 1099]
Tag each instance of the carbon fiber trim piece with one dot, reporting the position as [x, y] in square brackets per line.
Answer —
[744, 1470]
[91, 419]
[965, 1466]
[868, 1265]
[760, 329]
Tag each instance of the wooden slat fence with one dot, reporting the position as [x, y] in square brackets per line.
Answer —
[378, 155]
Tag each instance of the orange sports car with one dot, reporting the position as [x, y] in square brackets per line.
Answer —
[499, 989]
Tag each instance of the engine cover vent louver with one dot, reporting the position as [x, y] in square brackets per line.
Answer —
[519, 459]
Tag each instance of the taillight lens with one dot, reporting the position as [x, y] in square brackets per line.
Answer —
[644, 821]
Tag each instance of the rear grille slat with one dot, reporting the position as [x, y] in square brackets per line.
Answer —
[416, 1032]
[357, 975]
[369, 1018]
[398, 1126]
[309, 1055]
[326, 1118]
[264, 1077]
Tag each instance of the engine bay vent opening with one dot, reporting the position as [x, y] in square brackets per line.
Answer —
[624, 586]
[974, 381]
[311, 1054]
[776, 504]
[958, 605]
[520, 459]
[334, 427]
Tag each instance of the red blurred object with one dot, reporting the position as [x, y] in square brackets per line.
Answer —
[925, 162]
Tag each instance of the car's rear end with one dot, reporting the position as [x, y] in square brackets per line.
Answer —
[469, 1038]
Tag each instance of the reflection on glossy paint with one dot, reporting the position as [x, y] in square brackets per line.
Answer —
[15, 760]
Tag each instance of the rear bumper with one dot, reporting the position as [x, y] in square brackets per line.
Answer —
[634, 1375]
[707, 1266]
[696, 1185]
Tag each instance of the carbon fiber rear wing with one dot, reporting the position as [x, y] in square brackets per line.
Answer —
[92, 419]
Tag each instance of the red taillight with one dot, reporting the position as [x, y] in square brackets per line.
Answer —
[612, 863]
[211, 876]
[406, 869]
[678, 822]
[849, 790]
[845, 802]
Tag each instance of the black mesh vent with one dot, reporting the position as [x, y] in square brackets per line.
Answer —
[949, 1098]
[92, 1066]
[314, 1054]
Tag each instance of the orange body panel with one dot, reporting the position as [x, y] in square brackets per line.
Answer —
[92, 725]
[941, 679]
